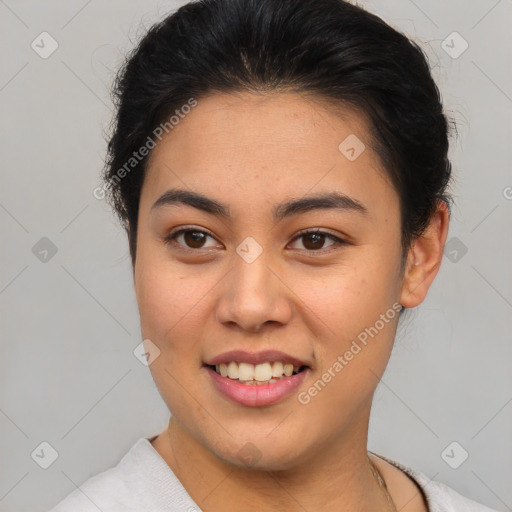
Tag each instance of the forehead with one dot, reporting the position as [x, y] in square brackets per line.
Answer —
[247, 145]
[280, 122]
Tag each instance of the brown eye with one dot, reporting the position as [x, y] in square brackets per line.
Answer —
[191, 238]
[194, 239]
[315, 240]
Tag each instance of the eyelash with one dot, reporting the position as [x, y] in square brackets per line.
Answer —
[171, 239]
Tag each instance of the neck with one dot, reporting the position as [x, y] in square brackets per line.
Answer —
[337, 478]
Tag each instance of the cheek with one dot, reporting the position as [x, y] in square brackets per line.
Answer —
[347, 310]
[162, 299]
[156, 282]
[156, 297]
[354, 349]
[171, 308]
[351, 296]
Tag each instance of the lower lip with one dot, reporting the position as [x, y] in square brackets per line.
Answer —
[257, 395]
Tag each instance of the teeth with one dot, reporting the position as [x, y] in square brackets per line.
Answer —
[258, 383]
[263, 372]
[233, 370]
[245, 371]
[277, 371]
[256, 374]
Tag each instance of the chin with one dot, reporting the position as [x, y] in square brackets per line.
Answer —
[259, 456]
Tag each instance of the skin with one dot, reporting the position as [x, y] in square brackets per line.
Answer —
[309, 300]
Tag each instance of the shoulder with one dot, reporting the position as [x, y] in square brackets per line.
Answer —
[442, 498]
[439, 496]
[108, 490]
[140, 481]
[104, 491]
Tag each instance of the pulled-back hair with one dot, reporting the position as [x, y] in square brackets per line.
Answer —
[329, 48]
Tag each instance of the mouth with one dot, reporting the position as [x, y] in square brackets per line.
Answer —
[256, 380]
[256, 374]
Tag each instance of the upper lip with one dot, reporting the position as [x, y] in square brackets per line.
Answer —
[263, 356]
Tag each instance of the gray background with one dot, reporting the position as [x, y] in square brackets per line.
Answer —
[70, 322]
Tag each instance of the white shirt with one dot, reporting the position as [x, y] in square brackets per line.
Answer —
[143, 482]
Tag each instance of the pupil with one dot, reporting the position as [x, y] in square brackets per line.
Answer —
[195, 237]
[318, 237]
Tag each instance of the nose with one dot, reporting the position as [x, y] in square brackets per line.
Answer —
[254, 294]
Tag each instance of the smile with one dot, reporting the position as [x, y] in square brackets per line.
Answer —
[251, 392]
[258, 374]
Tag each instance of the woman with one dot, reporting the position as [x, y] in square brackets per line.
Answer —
[281, 170]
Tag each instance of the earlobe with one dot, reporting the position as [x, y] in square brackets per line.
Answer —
[424, 258]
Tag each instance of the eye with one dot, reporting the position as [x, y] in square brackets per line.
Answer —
[317, 239]
[193, 239]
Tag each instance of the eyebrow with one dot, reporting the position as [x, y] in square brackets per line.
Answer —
[326, 201]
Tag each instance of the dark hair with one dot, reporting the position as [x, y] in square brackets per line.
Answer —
[329, 48]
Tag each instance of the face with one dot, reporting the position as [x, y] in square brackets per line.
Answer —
[251, 280]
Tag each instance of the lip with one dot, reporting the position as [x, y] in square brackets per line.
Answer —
[264, 356]
[255, 395]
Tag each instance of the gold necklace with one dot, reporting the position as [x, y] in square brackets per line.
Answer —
[382, 483]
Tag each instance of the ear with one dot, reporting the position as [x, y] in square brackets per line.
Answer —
[424, 258]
